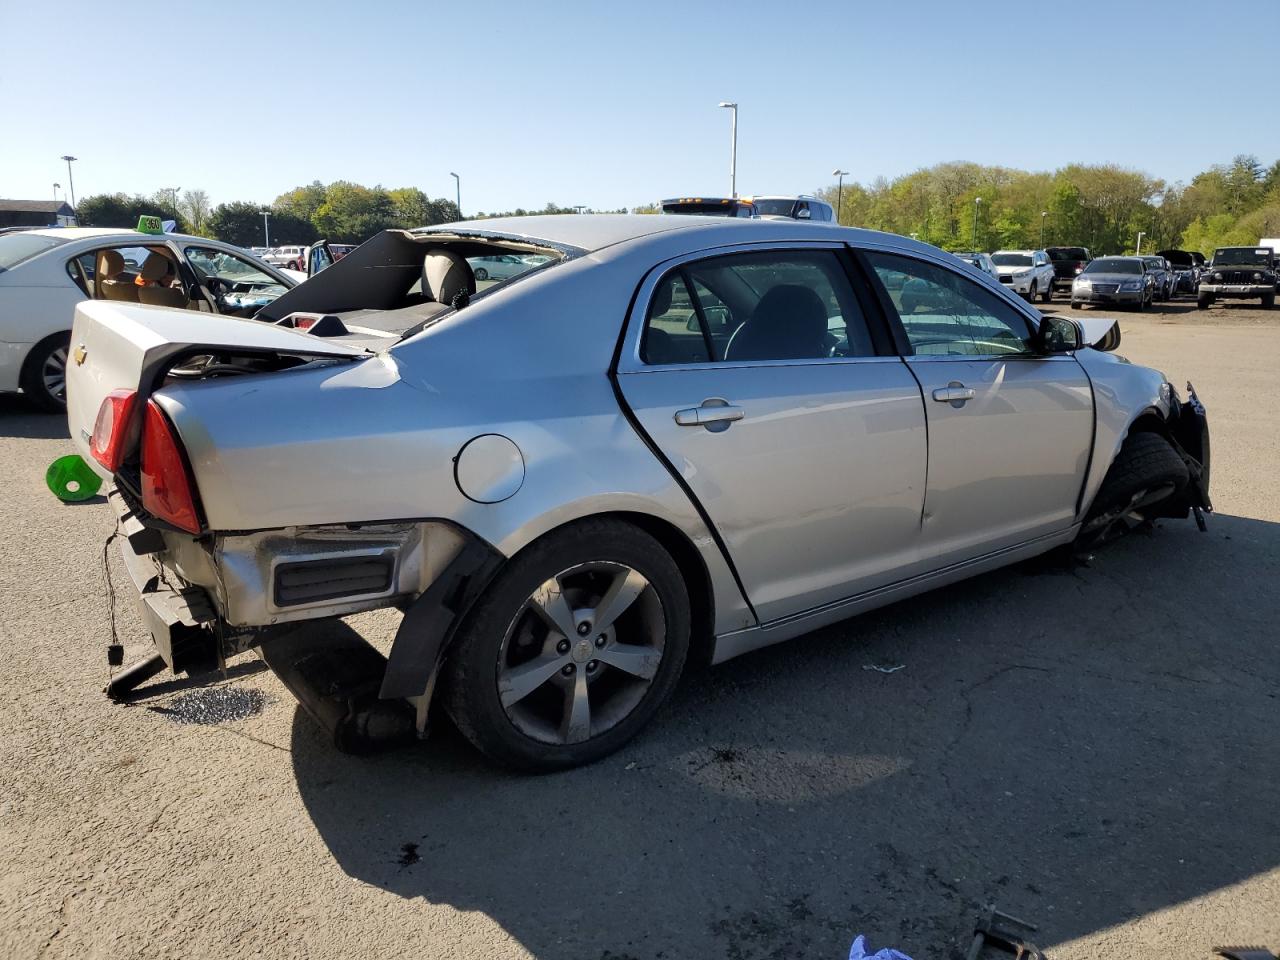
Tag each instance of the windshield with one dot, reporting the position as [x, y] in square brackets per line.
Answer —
[1068, 253]
[775, 208]
[1245, 256]
[16, 247]
[1114, 265]
[1011, 260]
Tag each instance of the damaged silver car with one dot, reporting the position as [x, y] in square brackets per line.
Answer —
[671, 439]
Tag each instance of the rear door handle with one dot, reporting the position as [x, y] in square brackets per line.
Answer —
[714, 410]
[954, 393]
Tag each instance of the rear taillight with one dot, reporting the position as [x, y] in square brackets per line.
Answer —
[111, 428]
[167, 488]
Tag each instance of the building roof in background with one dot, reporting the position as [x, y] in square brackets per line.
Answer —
[36, 206]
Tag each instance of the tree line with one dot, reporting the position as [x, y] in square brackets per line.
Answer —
[959, 206]
[955, 206]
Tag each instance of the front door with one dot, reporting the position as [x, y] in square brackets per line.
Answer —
[1009, 429]
[759, 379]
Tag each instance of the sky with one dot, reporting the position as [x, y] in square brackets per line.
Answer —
[613, 104]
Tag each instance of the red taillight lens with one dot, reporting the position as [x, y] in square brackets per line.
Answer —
[111, 427]
[167, 489]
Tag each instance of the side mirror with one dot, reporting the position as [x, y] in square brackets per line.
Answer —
[803, 214]
[1058, 335]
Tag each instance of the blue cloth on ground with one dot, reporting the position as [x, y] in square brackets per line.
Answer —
[859, 951]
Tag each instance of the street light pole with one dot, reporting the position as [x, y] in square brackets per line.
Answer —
[70, 180]
[457, 183]
[266, 229]
[733, 148]
[977, 204]
[1043, 214]
[173, 198]
[55, 190]
[841, 174]
[1141, 234]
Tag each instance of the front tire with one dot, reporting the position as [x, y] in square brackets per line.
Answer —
[1031, 294]
[1268, 301]
[1047, 296]
[1203, 301]
[482, 273]
[572, 649]
[44, 374]
[1145, 473]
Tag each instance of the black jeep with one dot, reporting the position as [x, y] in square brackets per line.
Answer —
[1239, 273]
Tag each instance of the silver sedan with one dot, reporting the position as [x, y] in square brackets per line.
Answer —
[672, 439]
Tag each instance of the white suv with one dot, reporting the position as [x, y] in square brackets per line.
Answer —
[1029, 273]
[292, 258]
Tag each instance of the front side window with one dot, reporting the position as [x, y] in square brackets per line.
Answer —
[743, 308]
[946, 314]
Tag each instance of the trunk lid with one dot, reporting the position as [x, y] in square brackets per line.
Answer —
[123, 346]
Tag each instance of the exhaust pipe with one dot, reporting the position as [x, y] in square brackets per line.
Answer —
[335, 675]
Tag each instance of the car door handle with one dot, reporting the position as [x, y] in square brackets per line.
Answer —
[712, 410]
[954, 393]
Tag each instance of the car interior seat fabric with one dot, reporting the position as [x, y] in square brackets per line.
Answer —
[789, 323]
[156, 291]
[108, 270]
[445, 275]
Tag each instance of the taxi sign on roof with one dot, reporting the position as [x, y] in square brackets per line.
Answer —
[150, 225]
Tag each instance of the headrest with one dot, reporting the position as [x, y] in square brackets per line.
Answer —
[789, 323]
[445, 275]
[110, 263]
[155, 266]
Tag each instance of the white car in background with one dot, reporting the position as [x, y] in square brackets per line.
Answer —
[295, 258]
[500, 267]
[45, 273]
[981, 262]
[1028, 273]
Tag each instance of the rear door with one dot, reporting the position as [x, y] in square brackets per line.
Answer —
[1010, 430]
[759, 378]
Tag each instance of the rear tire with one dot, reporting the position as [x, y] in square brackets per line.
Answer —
[482, 273]
[44, 373]
[1269, 301]
[504, 635]
[1145, 473]
[1203, 301]
[1075, 305]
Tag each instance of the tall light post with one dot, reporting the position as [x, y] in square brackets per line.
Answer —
[173, 197]
[55, 190]
[266, 229]
[1141, 234]
[70, 180]
[841, 174]
[977, 205]
[733, 148]
[1043, 214]
[457, 183]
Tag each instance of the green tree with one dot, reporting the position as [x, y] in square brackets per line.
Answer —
[195, 210]
[300, 202]
[237, 222]
[121, 210]
[352, 213]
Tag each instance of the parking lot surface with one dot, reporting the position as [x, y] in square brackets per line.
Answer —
[1090, 748]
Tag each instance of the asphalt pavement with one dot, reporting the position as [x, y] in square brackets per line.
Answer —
[1092, 748]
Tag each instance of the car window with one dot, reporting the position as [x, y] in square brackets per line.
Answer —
[16, 247]
[757, 306]
[241, 273]
[946, 314]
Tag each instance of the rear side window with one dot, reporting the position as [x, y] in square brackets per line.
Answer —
[946, 314]
[785, 305]
[16, 247]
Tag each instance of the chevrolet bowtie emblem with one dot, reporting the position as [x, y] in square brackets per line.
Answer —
[80, 355]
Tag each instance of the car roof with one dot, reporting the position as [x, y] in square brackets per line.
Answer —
[98, 233]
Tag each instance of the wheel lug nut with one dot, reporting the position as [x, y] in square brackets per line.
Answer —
[567, 670]
[592, 665]
[600, 641]
[562, 646]
[584, 628]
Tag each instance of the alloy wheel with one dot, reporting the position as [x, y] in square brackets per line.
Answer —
[53, 374]
[581, 653]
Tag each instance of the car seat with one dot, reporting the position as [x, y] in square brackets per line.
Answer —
[445, 276]
[154, 270]
[789, 323]
[107, 272]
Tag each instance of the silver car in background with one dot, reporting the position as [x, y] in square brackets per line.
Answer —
[1124, 281]
[981, 262]
[677, 439]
